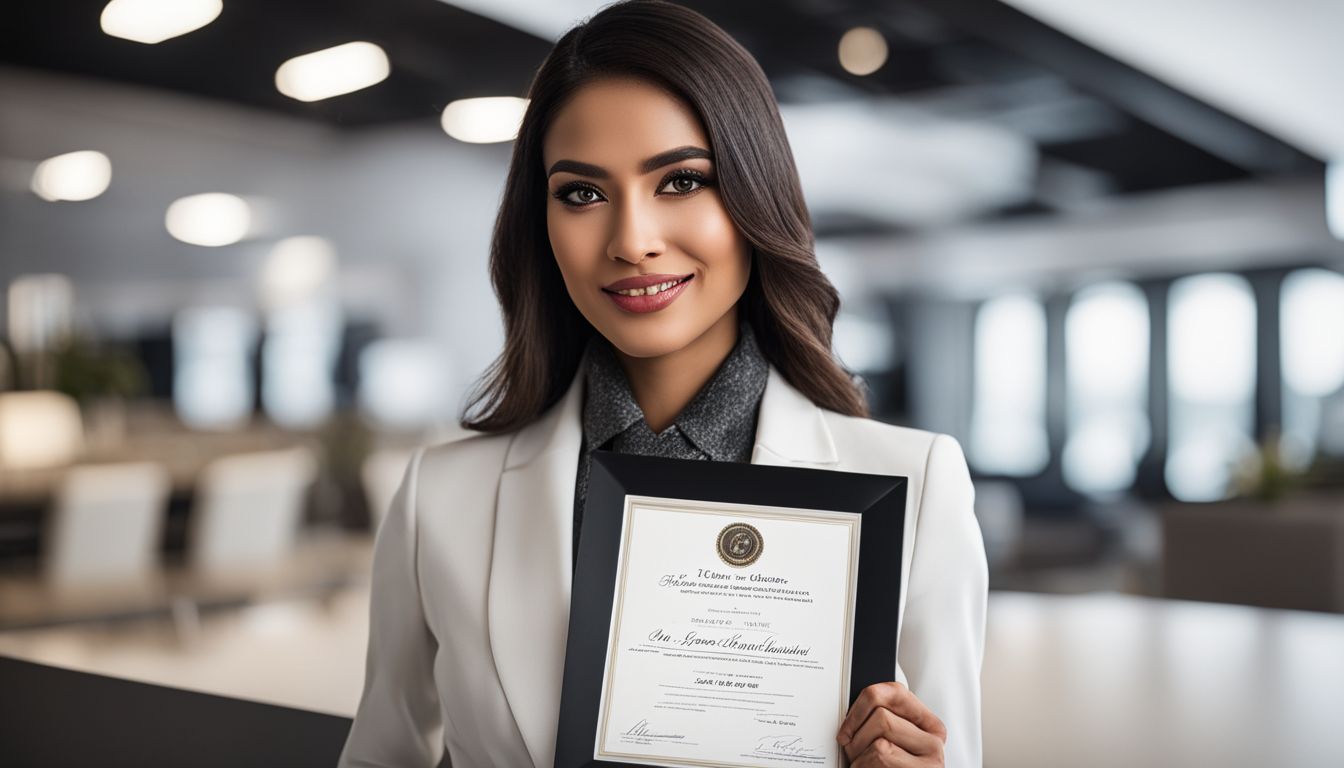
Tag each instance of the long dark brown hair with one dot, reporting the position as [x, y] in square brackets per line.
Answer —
[789, 303]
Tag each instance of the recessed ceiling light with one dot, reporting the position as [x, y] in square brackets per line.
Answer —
[332, 71]
[863, 51]
[153, 21]
[484, 120]
[81, 175]
[210, 219]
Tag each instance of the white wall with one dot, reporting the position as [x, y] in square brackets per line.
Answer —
[410, 212]
[1238, 225]
[409, 209]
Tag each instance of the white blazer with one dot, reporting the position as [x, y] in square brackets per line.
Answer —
[471, 583]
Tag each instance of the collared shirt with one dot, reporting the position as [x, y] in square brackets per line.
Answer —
[719, 424]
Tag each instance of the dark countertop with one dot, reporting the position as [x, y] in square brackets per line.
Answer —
[52, 717]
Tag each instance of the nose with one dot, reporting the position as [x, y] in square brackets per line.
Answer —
[635, 233]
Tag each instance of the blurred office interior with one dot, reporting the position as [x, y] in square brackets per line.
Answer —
[1099, 243]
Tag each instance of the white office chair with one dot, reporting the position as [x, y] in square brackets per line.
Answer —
[105, 526]
[248, 510]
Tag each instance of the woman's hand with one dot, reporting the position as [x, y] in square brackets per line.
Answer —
[889, 726]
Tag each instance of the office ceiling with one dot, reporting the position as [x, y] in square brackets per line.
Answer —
[438, 53]
[1275, 65]
[1099, 127]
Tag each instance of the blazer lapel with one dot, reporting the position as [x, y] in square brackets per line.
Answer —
[530, 569]
[791, 429]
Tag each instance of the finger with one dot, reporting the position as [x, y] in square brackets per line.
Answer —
[885, 724]
[884, 754]
[899, 700]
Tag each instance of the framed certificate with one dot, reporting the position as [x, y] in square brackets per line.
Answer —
[727, 614]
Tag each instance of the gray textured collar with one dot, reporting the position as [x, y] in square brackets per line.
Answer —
[719, 420]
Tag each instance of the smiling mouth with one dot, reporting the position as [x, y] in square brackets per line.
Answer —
[651, 290]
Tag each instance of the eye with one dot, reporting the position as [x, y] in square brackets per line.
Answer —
[683, 182]
[582, 195]
[577, 195]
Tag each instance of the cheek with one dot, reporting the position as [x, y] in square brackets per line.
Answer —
[572, 243]
[712, 238]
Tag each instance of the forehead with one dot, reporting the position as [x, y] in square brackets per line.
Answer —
[616, 123]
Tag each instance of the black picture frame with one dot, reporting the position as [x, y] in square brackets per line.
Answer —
[880, 499]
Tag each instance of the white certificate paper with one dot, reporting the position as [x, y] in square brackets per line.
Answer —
[730, 635]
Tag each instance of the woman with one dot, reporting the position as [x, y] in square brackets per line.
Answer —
[653, 260]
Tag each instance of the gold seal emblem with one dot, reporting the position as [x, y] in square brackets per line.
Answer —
[740, 544]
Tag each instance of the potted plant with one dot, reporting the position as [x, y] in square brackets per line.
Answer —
[101, 378]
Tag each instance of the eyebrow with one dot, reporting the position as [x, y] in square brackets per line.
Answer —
[652, 164]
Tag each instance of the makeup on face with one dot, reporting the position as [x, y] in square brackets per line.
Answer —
[646, 248]
[647, 293]
[680, 182]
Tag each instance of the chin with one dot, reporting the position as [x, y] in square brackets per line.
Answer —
[647, 337]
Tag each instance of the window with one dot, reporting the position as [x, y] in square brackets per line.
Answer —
[299, 354]
[303, 332]
[1008, 406]
[1211, 375]
[212, 380]
[40, 310]
[1312, 343]
[863, 339]
[401, 382]
[1106, 335]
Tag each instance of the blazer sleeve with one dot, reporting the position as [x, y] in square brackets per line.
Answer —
[398, 721]
[942, 639]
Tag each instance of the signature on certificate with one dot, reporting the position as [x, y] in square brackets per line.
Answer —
[783, 745]
[644, 731]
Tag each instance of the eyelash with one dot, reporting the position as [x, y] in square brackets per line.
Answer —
[565, 190]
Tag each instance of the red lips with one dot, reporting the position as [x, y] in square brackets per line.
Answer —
[642, 281]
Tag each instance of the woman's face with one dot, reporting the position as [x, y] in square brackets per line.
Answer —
[633, 193]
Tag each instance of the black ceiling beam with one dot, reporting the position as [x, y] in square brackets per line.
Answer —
[1138, 93]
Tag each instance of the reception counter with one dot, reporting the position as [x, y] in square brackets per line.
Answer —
[52, 717]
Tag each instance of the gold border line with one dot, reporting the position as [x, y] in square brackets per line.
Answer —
[849, 520]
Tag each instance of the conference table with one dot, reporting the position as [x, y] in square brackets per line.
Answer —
[181, 451]
[1069, 681]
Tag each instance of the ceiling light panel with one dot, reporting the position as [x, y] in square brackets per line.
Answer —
[484, 120]
[81, 175]
[332, 71]
[153, 21]
[210, 219]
